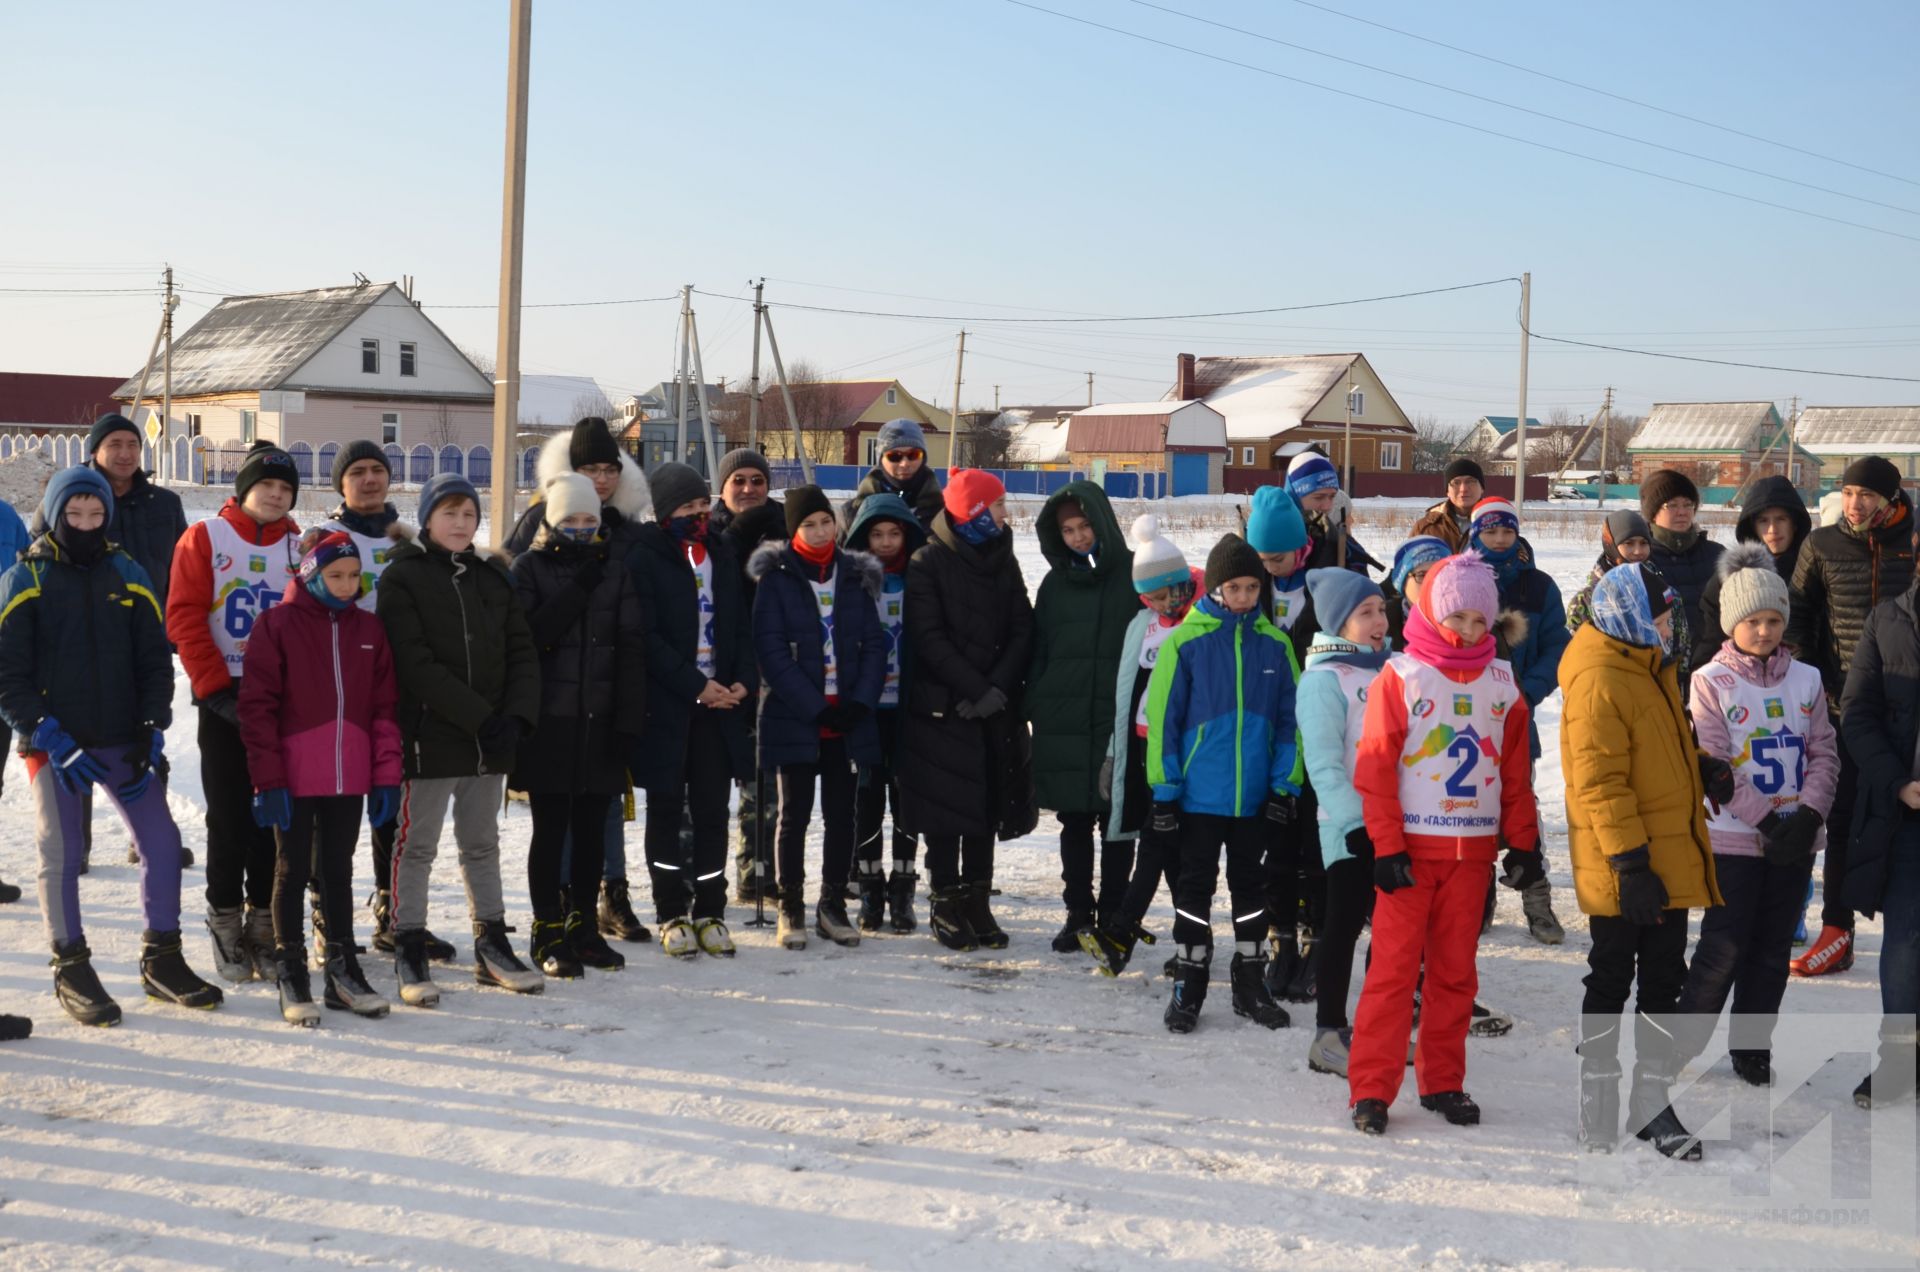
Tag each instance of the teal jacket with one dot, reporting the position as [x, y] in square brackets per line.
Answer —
[1322, 708]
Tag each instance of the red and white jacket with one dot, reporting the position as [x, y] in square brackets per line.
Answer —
[227, 571]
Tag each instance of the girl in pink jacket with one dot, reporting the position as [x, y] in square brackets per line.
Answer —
[1764, 713]
[316, 714]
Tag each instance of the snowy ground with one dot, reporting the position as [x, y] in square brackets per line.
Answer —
[891, 1106]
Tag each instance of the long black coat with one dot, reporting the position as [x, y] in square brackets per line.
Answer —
[1880, 721]
[1842, 574]
[970, 626]
[592, 670]
[1688, 572]
[670, 623]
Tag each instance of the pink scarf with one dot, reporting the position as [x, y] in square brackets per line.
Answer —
[1440, 647]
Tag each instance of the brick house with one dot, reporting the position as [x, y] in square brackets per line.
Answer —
[1268, 402]
[1719, 444]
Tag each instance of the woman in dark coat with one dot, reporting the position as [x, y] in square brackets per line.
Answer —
[585, 619]
[966, 771]
[1080, 624]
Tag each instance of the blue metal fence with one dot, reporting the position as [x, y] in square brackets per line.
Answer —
[1018, 481]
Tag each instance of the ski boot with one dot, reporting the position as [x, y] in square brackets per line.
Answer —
[900, 886]
[410, 969]
[227, 926]
[1370, 1117]
[1110, 945]
[1652, 1118]
[347, 989]
[980, 917]
[1831, 952]
[549, 951]
[15, 1028]
[677, 939]
[830, 919]
[79, 989]
[713, 938]
[257, 940]
[1189, 989]
[1250, 996]
[1303, 985]
[791, 928]
[1599, 1096]
[616, 918]
[296, 989]
[873, 895]
[381, 903]
[494, 962]
[165, 976]
[949, 919]
[1755, 1068]
[1283, 960]
[1893, 1078]
[589, 947]
[1067, 939]
[1329, 1051]
[1456, 1106]
[1536, 902]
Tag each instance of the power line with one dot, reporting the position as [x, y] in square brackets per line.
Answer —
[1618, 97]
[1721, 362]
[1461, 123]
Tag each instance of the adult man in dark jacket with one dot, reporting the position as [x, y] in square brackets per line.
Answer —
[1682, 552]
[1774, 516]
[1448, 519]
[1843, 572]
[743, 481]
[903, 471]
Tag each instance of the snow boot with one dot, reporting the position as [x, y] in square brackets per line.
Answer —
[1831, 951]
[589, 947]
[381, 903]
[1110, 945]
[8, 893]
[1283, 960]
[830, 919]
[79, 989]
[1652, 1117]
[900, 887]
[15, 1028]
[713, 938]
[615, 917]
[949, 919]
[790, 930]
[320, 937]
[1067, 939]
[1304, 983]
[257, 940]
[873, 896]
[165, 976]
[410, 969]
[677, 939]
[1328, 1054]
[1893, 1078]
[1599, 1101]
[1755, 1068]
[347, 989]
[296, 989]
[980, 917]
[1456, 1106]
[228, 929]
[1250, 996]
[1536, 901]
[548, 950]
[1189, 990]
[1370, 1117]
[494, 962]
[1488, 1022]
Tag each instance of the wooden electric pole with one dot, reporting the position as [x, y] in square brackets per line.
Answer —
[953, 446]
[753, 387]
[1520, 425]
[513, 225]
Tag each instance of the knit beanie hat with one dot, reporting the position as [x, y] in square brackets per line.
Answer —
[1663, 485]
[442, 487]
[1311, 471]
[1463, 582]
[351, 454]
[1336, 594]
[1749, 584]
[734, 460]
[1494, 511]
[265, 461]
[675, 484]
[902, 434]
[321, 548]
[1157, 562]
[1420, 550]
[1620, 525]
[67, 483]
[803, 502]
[1876, 474]
[1232, 558]
[571, 495]
[970, 491]
[1464, 467]
[592, 443]
[1275, 524]
[112, 422]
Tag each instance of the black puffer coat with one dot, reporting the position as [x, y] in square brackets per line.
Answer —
[593, 669]
[1880, 720]
[921, 491]
[1687, 569]
[1842, 574]
[971, 629]
[1768, 492]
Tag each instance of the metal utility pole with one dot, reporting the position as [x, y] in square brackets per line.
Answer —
[165, 329]
[680, 372]
[786, 395]
[1793, 446]
[513, 226]
[753, 386]
[1520, 427]
[996, 399]
[953, 448]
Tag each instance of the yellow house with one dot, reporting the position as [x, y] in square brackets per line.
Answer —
[840, 421]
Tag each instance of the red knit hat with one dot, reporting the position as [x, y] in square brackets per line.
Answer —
[970, 491]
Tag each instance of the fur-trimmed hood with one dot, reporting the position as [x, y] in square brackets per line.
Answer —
[1751, 555]
[866, 567]
[632, 498]
[1510, 627]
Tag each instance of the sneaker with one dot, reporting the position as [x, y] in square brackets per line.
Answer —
[677, 939]
[900, 887]
[1489, 1022]
[1328, 1054]
[78, 987]
[1831, 952]
[296, 989]
[589, 947]
[494, 962]
[347, 988]
[949, 919]
[227, 926]
[791, 930]
[165, 976]
[713, 937]
[549, 951]
[1370, 1117]
[616, 918]
[1456, 1106]
[410, 969]
[1067, 939]
[1536, 902]
[830, 920]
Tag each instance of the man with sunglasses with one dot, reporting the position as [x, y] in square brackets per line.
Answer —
[902, 471]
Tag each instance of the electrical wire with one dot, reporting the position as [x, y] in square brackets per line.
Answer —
[1721, 362]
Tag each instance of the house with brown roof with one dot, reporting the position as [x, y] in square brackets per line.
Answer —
[840, 421]
[1270, 402]
[1186, 440]
[1719, 445]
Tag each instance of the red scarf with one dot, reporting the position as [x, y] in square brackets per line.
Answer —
[821, 558]
[1441, 646]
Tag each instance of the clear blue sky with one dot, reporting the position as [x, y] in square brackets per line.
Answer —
[972, 157]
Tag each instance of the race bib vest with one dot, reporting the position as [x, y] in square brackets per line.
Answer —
[1288, 604]
[702, 563]
[1156, 636]
[823, 598]
[1768, 726]
[1450, 766]
[374, 553]
[1354, 683]
[248, 579]
[892, 607]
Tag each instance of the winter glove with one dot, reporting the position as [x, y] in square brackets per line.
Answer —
[966, 710]
[1360, 844]
[273, 809]
[73, 768]
[1790, 840]
[225, 704]
[144, 758]
[1643, 898]
[1164, 818]
[990, 704]
[1104, 782]
[1393, 872]
[1717, 776]
[1281, 808]
[382, 804]
[499, 738]
[1522, 868]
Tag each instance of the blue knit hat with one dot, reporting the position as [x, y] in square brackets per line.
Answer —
[1420, 550]
[901, 434]
[443, 486]
[1275, 524]
[1311, 471]
[1157, 560]
[69, 482]
[1336, 594]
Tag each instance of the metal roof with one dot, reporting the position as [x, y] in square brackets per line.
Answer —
[255, 342]
[1860, 430]
[57, 401]
[1705, 426]
[1504, 424]
[1267, 395]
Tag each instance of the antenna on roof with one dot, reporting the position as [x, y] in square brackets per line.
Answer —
[359, 279]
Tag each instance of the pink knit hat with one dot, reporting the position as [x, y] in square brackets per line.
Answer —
[1455, 583]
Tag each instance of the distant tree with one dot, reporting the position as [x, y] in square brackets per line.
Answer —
[482, 362]
[1434, 443]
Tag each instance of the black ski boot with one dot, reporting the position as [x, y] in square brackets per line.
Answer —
[949, 919]
[494, 962]
[1599, 1102]
[1652, 1117]
[79, 989]
[347, 989]
[589, 947]
[411, 970]
[830, 919]
[980, 917]
[900, 899]
[1893, 1078]
[1250, 996]
[227, 926]
[1304, 984]
[1110, 945]
[382, 904]
[15, 1028]
[872, 884]
[165, 976]
[438, 950]
[1370, 1117]
[1067, 939]
[1755, 1068]
[548, 950]
[1456, 1106]
[296, 989]
[616, 918]
[1283, 960]
[1189, 991]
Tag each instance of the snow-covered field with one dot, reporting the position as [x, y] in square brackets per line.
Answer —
[891, 1106]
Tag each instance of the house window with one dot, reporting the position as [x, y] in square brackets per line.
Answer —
[390, 428]
[1357, 401]
[249, 426]
[193, 426]
[406, 357]
[1390, 455]
[873, 451]
[893, 397]
[1246, 455]
[370, 357]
